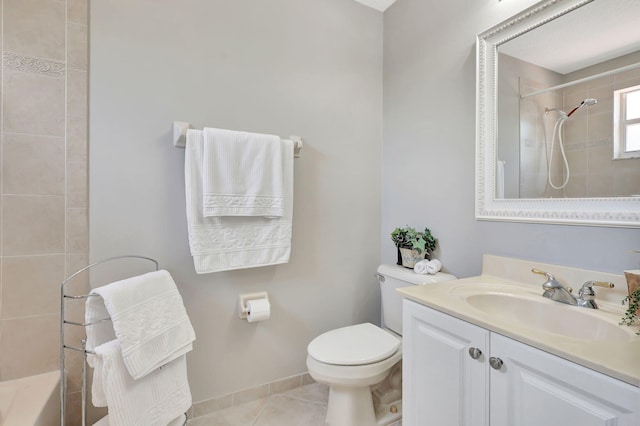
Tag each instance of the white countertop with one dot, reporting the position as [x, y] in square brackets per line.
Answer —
[618, 358]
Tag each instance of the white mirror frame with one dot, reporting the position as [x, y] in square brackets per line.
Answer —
[623, 212]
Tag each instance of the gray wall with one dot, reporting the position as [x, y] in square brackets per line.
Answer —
[428, 154]
[305, 67]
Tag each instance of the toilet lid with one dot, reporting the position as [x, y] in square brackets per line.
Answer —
[354, 345]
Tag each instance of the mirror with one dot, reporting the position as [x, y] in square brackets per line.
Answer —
[556, 137]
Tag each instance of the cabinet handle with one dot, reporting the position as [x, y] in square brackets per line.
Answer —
[475, 353]
[495, 362]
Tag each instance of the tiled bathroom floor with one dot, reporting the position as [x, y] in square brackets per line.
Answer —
[305, 405]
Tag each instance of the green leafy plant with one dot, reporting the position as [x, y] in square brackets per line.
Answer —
[633, 299]
[408, 237]
[631, 314]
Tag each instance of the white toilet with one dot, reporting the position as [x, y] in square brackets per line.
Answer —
[362, 364]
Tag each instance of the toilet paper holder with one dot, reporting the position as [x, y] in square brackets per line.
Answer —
[244, 298]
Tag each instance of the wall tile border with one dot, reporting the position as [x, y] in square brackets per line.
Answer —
[17, 62]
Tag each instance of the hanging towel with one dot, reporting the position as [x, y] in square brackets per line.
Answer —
[156, 399]
[242, 174]
[148, 318]
[232, 242]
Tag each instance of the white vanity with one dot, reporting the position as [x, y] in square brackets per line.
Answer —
[491, 351]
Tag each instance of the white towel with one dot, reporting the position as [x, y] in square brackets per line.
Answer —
[434, 266]
[421, 267]
[226, 243]
[148, 317]
[156, 399]
[242, 174]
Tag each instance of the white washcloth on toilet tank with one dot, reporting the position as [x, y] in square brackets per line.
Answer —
[242, 174]
[434, 266]
[421, 267]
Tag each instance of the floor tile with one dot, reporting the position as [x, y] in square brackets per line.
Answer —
[239, 415]
[282, 410]
[304, 405]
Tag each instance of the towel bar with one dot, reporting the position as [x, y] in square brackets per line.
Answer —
[180, 137]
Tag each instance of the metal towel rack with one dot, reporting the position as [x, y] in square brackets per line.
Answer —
[82, 346]
[180, 137]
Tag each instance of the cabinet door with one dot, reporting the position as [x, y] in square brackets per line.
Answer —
[535, 388]
[442, 384]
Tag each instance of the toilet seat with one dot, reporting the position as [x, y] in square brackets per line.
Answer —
[360, 344]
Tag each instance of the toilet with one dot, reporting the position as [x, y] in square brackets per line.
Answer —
[362, 364]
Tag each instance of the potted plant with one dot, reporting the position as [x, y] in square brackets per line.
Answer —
[413, 245]
[633, 299]
[633, 284]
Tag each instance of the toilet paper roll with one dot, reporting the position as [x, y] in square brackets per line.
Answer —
[258, 310]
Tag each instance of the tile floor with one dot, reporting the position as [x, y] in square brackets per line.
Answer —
[303, 406]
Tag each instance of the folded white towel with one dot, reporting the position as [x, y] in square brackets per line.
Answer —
[242, 174]
[434, 266]
[148, 317]
[226, 243]
[156, 399]
[421, 267]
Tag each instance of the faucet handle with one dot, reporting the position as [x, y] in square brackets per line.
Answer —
[587, 288]
[586, 295]
[539, 272]
[551, 282]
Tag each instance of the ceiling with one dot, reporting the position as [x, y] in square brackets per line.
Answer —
[599, 31]
[380, 5]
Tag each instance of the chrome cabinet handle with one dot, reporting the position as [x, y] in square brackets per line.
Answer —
[475, 353]
[495, 363]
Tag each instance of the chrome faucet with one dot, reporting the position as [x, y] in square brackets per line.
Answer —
[556, 291]
[586, 295]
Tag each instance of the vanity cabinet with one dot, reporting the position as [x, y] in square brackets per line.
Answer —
[457, 373]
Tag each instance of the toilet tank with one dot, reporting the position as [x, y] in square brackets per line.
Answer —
[392, 277]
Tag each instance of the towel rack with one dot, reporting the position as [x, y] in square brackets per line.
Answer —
[180, 137]
[82, 346]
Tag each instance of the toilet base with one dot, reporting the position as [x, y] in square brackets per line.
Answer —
[354, 407]
[389, 414]
[349, 406]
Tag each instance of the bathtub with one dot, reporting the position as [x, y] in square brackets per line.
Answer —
[31, 401]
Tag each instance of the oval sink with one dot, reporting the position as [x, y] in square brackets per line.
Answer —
[550, 316]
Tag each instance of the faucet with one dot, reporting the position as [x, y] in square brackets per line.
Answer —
[586, 295]
[556, 291]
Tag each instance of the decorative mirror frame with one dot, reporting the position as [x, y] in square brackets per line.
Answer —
[619, 211]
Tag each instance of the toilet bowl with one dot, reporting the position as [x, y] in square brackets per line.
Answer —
[351, 360]
[362, 364]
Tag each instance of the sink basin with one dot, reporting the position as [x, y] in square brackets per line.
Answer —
[537, 313]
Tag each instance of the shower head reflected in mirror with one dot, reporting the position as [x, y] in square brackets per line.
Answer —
[586, 102]
[564, 115]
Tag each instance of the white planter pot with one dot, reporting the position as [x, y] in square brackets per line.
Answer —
[410, 257]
